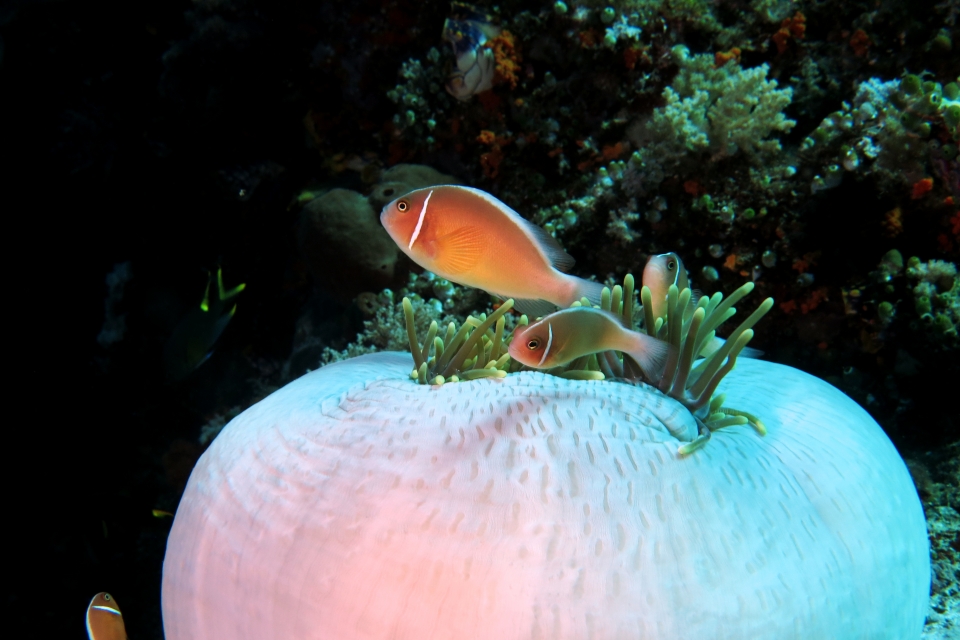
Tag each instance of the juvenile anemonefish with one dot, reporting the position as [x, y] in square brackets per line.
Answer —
[564, 336]
[662, 271]
[469, 237]
[104, 620]
[666, 269]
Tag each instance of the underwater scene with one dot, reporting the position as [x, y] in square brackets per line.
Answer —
[555, 319]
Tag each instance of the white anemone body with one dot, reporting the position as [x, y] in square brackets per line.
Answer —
[355, 504]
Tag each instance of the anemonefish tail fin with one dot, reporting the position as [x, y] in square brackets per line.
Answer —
[560, 259]
[651, 355]
[590, 290]
[716, 343]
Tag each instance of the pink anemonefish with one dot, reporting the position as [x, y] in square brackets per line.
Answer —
[469, 237]
[564, 336]
[104, 620]
[666, 269]
[660, 272]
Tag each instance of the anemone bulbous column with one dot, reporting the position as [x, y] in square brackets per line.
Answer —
[356, 504]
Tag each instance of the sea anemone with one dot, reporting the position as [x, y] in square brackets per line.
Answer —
[355, 503]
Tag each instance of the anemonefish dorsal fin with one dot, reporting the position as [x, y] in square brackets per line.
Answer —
[560, 259]
[533, 308]
[462, 250]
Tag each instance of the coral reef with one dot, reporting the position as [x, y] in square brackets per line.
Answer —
[937, 298]
[890, 130]
[937, 476]
[713, 112]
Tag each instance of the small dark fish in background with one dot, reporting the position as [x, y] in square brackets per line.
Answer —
[193, 339]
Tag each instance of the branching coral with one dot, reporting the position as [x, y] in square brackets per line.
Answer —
[718, 110]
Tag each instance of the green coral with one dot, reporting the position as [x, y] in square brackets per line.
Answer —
[889, 130]
[718, 110]
[642, 14]
[420, 97]
[936, 298]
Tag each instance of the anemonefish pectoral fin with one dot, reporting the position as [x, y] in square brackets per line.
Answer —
[533, 308]
[459, 251]
[560, 259]
[749, 352]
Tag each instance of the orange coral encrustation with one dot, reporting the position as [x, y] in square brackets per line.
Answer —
[921, 188]
[860, 43]
[490, 161]
[507, 58]
[893, 222]
[721, 58]
[794, 28]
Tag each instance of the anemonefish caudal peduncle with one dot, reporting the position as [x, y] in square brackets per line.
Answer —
[564, 336]
[469, 237]
[104, 620]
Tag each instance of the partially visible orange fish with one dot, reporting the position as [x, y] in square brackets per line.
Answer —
[104, 620]
[662, 271]
[469, 237]
[564, 336]
[667, 269]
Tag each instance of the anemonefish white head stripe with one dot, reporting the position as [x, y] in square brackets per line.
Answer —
[423, 213]
[546, 350]
[469, 237]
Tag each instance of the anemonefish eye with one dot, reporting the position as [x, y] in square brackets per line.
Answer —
[533, 344]
[106, 596]
[671, 265]
[402, 205]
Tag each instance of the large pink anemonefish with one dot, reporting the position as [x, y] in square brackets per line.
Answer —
[469, 237]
